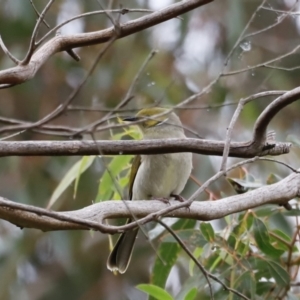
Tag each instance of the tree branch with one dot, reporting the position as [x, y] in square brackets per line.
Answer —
[20, 74]
[89, 147]
[93, 216]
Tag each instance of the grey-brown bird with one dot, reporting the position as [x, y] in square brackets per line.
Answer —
[152, 176]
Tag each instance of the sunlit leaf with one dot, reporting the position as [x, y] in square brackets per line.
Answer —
[191, 295]
[197, 252]
[155, 291]
[108, 182]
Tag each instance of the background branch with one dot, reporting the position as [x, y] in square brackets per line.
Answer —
[20, 74]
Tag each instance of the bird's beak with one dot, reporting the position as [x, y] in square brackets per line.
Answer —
[130, 119]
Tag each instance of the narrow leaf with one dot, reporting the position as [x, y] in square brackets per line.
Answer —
[71, 175]
[155, 291]
[191, 295]
[280, 275]
[207, 231]
[107, 183]
[86, 162]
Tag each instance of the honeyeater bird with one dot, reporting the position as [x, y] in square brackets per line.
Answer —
[160, 176]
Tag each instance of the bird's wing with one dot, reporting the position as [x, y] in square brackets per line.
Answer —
[134, 169]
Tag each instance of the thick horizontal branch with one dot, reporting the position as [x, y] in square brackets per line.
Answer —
[22, 73]
[93, 216]
[71, 148]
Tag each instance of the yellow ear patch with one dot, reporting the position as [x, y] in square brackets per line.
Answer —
[151, 116]
[151, 123]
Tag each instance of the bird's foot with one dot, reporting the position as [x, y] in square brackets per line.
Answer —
[178, 198]
[181, 199]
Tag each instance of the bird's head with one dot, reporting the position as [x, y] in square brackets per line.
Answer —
[157, 123]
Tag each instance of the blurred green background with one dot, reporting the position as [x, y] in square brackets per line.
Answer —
[192, 50]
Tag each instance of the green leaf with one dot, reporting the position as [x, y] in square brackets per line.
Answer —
[197, 252]
[279, 236]
[239, 229]
[280, 275]
[191, 295]
[167, 256]
[249, 220]
[198, 281]
[262, 239]
[265, 211]
[76, 170]
[207, 231]
[131, 131]
[292, 213]
[107, 184]
[246, 284]
[264, 287]
[155, 291]
[191, 237]
[86, 162]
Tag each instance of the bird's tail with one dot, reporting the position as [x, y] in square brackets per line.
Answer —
[120, 256]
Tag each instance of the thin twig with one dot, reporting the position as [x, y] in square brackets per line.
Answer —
[282, 68]
[279, 162]
[139, 73]
[32, 45]
[38, 14]
[20, 74]
[93, 126]
[5, 50]
[240, 38]
[61, 108]
[279, 21]
[263, 64]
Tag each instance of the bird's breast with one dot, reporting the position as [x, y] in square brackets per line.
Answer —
[161, 175]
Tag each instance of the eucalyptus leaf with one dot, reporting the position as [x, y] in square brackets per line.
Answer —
[73, 174]
[262, 239]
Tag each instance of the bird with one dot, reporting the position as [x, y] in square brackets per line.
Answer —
[161, 176]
